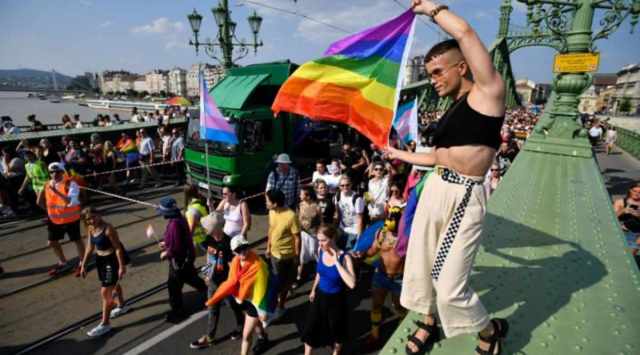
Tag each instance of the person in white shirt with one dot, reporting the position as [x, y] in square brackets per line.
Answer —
[320, 172]
[146, 149]
[333, 178]
[595, 133]
[350, 209]
[378, 191]
[610, 139]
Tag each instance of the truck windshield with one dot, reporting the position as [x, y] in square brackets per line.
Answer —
[218, 148]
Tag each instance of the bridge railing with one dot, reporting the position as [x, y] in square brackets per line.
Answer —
[629, 141]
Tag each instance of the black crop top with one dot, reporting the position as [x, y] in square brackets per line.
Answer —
[462, 125]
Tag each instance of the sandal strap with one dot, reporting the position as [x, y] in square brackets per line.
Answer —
[485, 352]
[419, 343]
[429, 328]
[500, 328]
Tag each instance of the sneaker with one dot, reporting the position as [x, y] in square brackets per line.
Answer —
[261, 345]
[236, 334]
[203, 342]
[118, 311]
[100, 330]
[175, 316]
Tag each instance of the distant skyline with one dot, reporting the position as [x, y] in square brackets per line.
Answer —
[76, 36]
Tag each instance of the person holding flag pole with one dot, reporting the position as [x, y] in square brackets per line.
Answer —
[447, 226]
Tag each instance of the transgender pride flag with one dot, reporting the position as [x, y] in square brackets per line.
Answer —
[213, 125]
[406, 122]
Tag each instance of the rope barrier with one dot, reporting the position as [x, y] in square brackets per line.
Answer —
[120, 197]
[141, 166]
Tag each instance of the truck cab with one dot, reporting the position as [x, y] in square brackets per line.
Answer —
[245, 96]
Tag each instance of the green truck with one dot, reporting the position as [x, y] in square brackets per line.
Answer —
[245, 96]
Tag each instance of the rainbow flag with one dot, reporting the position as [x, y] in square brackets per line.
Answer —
[253, 283]
[406, 122]
[213, 125]
[358, 83]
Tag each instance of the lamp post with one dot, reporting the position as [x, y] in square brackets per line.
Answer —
[226, 38]
[570, 22]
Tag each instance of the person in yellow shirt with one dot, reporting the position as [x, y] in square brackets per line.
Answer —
[283, 245]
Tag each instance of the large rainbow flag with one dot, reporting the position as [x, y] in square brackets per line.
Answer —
[213, 125]
[253, 283]
[357, 84]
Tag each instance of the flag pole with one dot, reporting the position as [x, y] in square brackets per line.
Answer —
[206, 142]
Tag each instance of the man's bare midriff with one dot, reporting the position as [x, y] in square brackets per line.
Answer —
[473, 160]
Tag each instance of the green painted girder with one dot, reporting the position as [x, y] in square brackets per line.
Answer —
[629, 141]
[553, 263]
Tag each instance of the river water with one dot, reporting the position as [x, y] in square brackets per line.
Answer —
[18, 106]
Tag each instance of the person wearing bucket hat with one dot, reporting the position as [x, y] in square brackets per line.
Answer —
[286, 179]
[179, 251]
[219, 255]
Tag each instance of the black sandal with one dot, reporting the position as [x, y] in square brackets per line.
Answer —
[500, 330]
[433, 336]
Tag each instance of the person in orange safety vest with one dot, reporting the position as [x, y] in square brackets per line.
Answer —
[60, 199]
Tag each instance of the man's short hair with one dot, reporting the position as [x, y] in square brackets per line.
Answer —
[440, 49]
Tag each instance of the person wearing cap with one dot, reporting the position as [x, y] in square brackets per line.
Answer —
[37, 175]
[179, 251]
[286, 179]
[61, 199]
[219, 255]
[246, 271]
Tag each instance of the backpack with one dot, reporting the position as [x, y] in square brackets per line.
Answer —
[354, 197]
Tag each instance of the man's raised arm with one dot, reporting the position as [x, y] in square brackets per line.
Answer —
[486, 78]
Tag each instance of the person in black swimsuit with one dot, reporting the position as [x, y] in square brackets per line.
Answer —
[110, 262]
[447, 226]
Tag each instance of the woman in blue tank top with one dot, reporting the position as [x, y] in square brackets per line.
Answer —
[326, 323]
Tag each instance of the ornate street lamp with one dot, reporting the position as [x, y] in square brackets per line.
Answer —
[232, 48]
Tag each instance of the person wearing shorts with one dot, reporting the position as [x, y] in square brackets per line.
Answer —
[60, 197]
[110, 263]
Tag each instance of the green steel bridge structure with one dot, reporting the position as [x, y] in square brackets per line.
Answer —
[553, 259]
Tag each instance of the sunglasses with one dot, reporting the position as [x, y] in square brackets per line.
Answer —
[378, 169]
[345, 185]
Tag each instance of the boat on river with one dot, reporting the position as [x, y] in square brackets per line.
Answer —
[125, 105]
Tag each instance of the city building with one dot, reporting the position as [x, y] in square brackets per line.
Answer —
[590, 101]
[627, 97]
[212, 74]
[178, 81]
[415, 70]
[157, 81]
[525, 88]
[140, 84]
[117, 81]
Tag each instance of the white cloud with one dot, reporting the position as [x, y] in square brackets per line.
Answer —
[160, 25]
[105, 24]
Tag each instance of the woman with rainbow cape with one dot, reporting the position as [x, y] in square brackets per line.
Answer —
[252, 286]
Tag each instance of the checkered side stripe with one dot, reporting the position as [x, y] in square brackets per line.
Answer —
[445, 246]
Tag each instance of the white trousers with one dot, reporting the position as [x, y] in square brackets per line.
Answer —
[443, 243]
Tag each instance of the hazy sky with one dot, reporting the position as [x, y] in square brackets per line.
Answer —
[74, 36]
